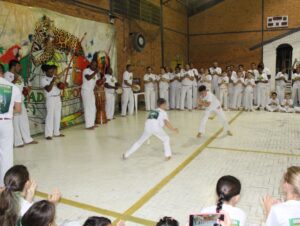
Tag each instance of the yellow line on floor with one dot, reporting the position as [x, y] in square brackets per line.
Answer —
[99, 210]
[255, 151]
[145, 198]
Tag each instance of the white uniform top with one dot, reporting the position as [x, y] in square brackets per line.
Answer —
[164, 85]
[249, 82]
[287, 102]
[214, 102]
[254, 72]
[261, 77]
[187, 81]
[280, 75]
[55, 91]
[237, 216]
[9, 76]
[162, 116]
[175, 83]
[216, 70]
[274, 102]
[127, 76]
[223, 79]
[9, 94]
[24, 206]
[267, 71]
[295, 75]
[284, 214]
[110, 80]
[88, 85]
[149, 86]
[196, 74]
[204, 79]
[235, 80]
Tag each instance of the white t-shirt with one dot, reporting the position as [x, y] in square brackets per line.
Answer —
[55, 91]
[175, 83]
[295, 75]
[150, 85]
[196, 74]
[223, 79]
[204, 79]
[160, 118]
[214, 102]
[261, 77]
[281, 75]
[24, 206]
[127, 76]
[110, 80]
[9, 76]
[287, 103]
[88, 85]
[216, 70]
[9, 94]
[284, 214]
[164, 85]
[237, 216]
[249, 83]
[273, 102]
[187, 81]
[241, 79]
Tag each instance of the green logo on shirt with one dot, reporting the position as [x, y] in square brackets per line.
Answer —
[5, 98]
[235, 223]
[153, 114]
[294, 222]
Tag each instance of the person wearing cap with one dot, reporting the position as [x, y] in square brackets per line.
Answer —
[10, 102]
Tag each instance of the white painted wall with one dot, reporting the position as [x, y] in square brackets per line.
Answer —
[270, 52]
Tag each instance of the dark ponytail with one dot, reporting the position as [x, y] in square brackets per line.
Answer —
[227, 188]
[9, 207]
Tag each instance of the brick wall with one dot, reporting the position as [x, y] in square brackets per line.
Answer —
[226, 31]
[175, 41]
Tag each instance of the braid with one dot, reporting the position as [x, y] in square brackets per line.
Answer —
[220, 202]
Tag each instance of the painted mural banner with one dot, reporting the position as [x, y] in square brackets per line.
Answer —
[37, 36]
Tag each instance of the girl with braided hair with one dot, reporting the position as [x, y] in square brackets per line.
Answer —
[228, 191]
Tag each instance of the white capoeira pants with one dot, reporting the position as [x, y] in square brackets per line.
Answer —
[237, 97]
[89, 106]
[261, 95]
[215, 86]
[150, 99]
[221, 116]
[164, 93]
[287, 109]
[280, 90]
[296, 94]
[152, 127]
[230, 95]
[127, 101]
[224, 97]
[110, 104]
[249, 98]
[175, 92]
[52, 125]
[6, 147]
[21, 128]
[195, 95]
[272, 108]
[186, 95]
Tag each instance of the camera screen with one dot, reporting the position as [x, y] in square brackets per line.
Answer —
[204, 220]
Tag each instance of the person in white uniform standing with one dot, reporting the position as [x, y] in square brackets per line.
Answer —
[157, 119]
[187, 88]
[204, 79]
[238, 84]
[249, 88]
[110, 86]
[285, 213]
[195, 86]
[164, 81]
[175, 89]
[89, 79]
[215, 72]
[20, 120]
[223, 87]
[10, 102]
[261, 80]
[254, 73]
[296, 86]
[51, 85]
[149, 81]
[127, 95]
[281, 79]
[211, 104]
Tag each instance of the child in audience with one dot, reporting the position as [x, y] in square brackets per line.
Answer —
[285, 213]
[223, 89]
[18, 181]
[249, 88]
[9, 207]
[167, 221]
[228, 191]
[281, 79]
[273, 103]
[41, 213]
[287, 104]
[204, 78]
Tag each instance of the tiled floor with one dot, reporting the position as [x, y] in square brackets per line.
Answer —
[87, 166]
